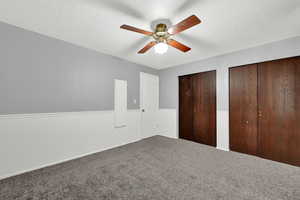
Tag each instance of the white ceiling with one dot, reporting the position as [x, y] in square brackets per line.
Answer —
[228, 25]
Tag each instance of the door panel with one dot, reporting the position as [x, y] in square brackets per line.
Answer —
[149, 92]
[204, 105]
[197, 107]
[185, 108]
[243, 109]
[279, 110]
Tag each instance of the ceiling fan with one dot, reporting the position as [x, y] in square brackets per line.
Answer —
[162, 35]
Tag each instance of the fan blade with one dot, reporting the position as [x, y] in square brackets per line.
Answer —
[185, 24]
[178, 45]
[131, 28]
[147, 47]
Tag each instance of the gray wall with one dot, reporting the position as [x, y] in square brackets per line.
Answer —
[41, 74]
[169, 77]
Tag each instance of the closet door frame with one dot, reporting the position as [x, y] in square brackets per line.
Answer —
[179, 104]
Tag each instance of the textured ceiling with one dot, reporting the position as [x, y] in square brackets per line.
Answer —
[228, 25]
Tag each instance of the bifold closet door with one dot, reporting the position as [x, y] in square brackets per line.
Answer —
[186, 108]
[197, 107]
[279, 110]
[243, 109]
[204, 104]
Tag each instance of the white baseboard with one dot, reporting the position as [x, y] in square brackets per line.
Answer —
[223, 149]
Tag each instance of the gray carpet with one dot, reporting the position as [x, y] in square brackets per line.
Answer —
[158, 168]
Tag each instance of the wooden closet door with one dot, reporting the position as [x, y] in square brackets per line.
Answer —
[279, 110]
[185, 108]
[243, 109]
[204, 103]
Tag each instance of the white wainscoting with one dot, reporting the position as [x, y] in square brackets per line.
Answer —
[167, 123]
[33, 141]
[223, 130]
[167, 126]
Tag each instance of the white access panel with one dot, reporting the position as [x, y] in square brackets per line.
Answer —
[120, 103]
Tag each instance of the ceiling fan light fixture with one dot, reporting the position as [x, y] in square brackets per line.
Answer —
[161, 48]
[162, 35]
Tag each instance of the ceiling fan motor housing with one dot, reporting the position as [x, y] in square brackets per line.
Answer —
[161, 33]
[161, 28]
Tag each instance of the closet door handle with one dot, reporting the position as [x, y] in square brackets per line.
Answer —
[259, 113]
[247, 122]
